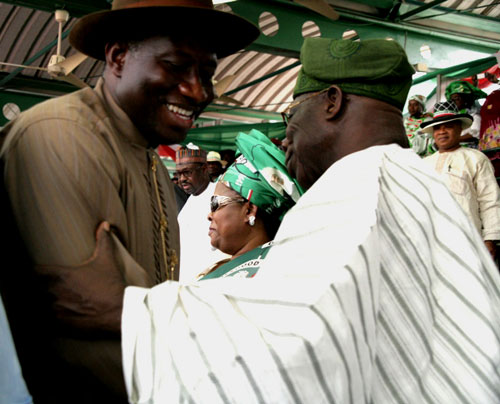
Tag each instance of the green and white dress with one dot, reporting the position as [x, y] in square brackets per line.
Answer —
[244, 266]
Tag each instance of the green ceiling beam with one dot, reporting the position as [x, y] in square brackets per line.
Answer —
[244, 112]
[37, 85]
[291, 17]
[418, 10]
[223, 136]
[23, 101]
[479, 65]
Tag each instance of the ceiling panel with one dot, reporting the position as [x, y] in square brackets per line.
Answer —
[28, 34]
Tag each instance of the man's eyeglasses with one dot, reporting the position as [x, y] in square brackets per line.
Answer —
[188, 172]
[286, 113]
[218, 201]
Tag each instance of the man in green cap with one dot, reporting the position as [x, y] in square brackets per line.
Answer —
[378, 288]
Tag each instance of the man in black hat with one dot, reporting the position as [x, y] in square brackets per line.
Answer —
[468, 173]
[82, 168]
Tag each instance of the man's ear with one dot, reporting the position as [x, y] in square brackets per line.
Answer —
[115, 57]
[334, 100]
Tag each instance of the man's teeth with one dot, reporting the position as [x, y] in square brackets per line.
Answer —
[180, 111]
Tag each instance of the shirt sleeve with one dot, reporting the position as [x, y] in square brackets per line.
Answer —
[488, 198]
[60, 190]
[474, 129]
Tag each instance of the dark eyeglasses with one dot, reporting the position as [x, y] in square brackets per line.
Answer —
[218, 201]
[188, 172]
[286, 113]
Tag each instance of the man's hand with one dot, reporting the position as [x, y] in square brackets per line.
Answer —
[88, 297]
[491, 246]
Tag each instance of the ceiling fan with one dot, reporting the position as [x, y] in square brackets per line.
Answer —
[319, 6]
[59, 67]
[220, 88]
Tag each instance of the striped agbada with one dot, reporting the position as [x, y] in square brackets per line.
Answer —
[378, 290]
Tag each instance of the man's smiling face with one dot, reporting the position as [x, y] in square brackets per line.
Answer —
[447, 135]
[164, 85]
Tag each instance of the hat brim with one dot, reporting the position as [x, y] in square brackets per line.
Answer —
[465, 119]
[222, 32]
[223, 162]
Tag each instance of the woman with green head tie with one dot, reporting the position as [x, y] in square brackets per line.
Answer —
[250, 199]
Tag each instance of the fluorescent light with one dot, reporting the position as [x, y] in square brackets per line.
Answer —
[221, 1]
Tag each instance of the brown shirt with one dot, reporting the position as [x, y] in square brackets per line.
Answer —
[69, 164]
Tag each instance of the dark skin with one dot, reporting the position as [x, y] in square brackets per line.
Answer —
[161, 83]
[214, 169]
[193, 178]
[414, 109]
[332, 125]
[229, 230]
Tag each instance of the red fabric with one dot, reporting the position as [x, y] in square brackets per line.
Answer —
[164, 150]
[484, 82]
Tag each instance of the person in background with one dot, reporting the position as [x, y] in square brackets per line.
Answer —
[175, 178]
[377, 289]
[215, 165]
[228, 155]
[420, 142]
[467, 173]
[465, 97]
[489, 136]
[88, 206]
[196, 251]
[249, 202]
[180, 195]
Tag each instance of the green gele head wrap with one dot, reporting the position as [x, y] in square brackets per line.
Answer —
[463, 87]
[259, 175]
[375, 68]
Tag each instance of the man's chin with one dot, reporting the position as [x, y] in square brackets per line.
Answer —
[172, 136]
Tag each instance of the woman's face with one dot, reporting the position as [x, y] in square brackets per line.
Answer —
[229, 230]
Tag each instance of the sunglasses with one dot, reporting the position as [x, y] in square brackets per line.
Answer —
[286, 115]
[218, 201]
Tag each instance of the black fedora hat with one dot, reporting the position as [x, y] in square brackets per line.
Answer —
[222, 32]
[446, 112]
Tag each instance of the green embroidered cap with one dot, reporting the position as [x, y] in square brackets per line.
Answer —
[463, 87]
[375, 68]
[259, 174]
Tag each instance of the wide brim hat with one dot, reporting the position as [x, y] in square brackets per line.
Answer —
[222, 32]
[214, 157]
[446, 112]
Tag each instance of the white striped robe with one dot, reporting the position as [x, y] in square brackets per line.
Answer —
[378, 290]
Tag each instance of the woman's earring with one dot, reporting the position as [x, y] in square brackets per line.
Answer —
[251, 220]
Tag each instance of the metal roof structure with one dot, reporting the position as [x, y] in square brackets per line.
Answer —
[436, 34]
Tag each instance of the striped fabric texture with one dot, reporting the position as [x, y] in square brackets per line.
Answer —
[378, 290]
